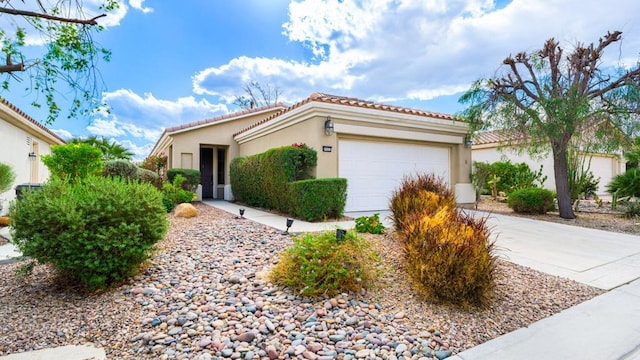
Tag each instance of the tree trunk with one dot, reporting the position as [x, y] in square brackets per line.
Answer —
[561, 172]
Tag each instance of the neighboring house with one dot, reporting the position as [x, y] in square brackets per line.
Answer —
[22, 141]
[490, 146]
[372, 145]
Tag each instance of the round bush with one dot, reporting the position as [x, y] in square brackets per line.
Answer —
[95, 232]
[531, 201]
[150, 177]
[319, 264]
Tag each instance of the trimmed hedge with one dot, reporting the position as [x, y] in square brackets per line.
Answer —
[191, 178]
[317, 199]
[121, 168]
[261, 179]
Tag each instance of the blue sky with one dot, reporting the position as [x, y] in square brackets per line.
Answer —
[174, 64]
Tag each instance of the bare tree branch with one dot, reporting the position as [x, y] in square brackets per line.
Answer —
[91, 21]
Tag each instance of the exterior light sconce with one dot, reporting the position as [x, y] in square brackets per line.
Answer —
[289, 223]
[328, 126]
[468, 141]
[241, 213]
[32, 156]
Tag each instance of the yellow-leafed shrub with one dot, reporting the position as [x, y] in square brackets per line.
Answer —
[449, 258]
[421, 194]
[449, 255]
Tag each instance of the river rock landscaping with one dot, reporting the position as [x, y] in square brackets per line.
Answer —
[205, 295]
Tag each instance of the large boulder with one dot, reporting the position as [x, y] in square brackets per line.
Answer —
[4, 221]
[185, 210]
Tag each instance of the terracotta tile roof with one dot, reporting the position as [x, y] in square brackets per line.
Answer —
[349, 101]
[30, 119]
[222, 117]
[495, 137]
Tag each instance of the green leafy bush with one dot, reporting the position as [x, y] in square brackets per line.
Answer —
[317, 199]
[262, 179]
[95, 232]
[626, 184]
[318, 264]
[531, 201]
[120, 168]
[7, 177]
[174, 194]
[369, 224]
[191, 178]
[156, 163]
[450, 258]
[509, 176]
[148, 176]
[421, 194]
[73, 161]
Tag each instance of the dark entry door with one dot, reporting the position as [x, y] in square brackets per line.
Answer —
[206, 172]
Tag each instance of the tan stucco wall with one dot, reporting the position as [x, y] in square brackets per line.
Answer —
[187, 144]
[311, 132]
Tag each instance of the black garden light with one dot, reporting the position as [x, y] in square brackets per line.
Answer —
[241, 213]
[340, 233]
[289, 223]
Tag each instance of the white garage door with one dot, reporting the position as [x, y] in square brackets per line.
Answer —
[375, 169]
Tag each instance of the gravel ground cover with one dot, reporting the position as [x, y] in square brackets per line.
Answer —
[204, 295]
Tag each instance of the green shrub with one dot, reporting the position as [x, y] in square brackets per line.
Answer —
[191, 178]
[73, 161]
[148, 176]
[317, 264]
[156, 163]
[95, 232]
[174, 194]
[421, 194]
[509, 176]
[7, 177]
[450, 258]
[369, 224]
[531, 201]
[261, 179]
[120, 168]
[317, 199]
[626, 184]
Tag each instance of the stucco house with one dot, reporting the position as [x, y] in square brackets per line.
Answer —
[370, 144]
[22, 141]
[489, 146]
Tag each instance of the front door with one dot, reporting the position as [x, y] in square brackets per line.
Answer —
[206, 172]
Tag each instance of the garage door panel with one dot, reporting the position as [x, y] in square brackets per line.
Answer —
[375, 169]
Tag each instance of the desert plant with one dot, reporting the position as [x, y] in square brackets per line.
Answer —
[319, 264]
[7, 177]
[626, 184]
[631, 208]
[73, 161]
[369, 224]
[156, 163]
[174, 194]
[531, 201]
[121, 168]
[450, 257]
[96, 231]
[422, 193]
[505, 176]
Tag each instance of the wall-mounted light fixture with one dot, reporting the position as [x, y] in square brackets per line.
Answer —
[32, 156]
[328, 126]
[468, 141]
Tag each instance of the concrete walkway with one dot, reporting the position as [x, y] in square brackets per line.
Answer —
[606, 327]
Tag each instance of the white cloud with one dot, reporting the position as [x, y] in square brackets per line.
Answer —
[418, 49]
[105, 128]
[137, 4]
[66, 135]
